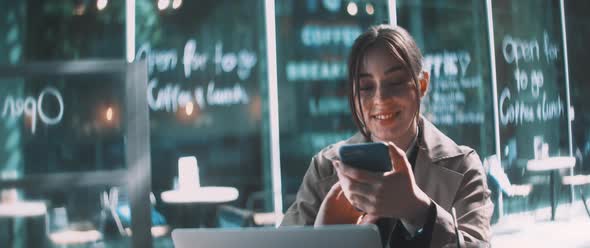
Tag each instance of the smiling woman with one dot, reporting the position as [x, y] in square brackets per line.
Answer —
[411, 203]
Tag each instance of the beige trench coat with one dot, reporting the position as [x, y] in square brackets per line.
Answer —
[451, 175]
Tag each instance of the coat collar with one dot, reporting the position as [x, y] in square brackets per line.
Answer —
[434, 144]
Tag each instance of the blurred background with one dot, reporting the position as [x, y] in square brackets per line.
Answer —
[507, 79]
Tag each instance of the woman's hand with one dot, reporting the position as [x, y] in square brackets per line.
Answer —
[336, 209]
[390, 194]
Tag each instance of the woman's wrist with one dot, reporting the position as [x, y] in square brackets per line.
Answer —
[419, 213]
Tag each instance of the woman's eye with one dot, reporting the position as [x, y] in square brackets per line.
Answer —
[366, 88]
[394, 83]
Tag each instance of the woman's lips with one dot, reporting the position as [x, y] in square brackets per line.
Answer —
[383, 116]
[386, 116]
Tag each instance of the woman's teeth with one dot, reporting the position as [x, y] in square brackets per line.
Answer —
[384, 117]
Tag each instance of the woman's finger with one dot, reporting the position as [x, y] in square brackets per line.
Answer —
[361, 203]
[398, 158]
[368, 219]
[365, 189]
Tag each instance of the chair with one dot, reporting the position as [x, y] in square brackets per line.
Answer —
[233, 217]
[494, 169]
[121, 212]
[578, 180]
[254, 215]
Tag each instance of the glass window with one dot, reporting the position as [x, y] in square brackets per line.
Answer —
[66, 30]
[208, 106]
[531, 88]
[68, 131]
[578, 34]
[57, 124]
[453, 38]
[313, 41]
[12, 31]
[72, 217]
[207, 75]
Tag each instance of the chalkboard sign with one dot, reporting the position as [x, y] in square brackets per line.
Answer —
[531, 81]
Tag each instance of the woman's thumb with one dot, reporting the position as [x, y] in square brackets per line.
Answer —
[398, 158]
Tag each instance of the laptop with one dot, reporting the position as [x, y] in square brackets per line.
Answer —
[341, 236]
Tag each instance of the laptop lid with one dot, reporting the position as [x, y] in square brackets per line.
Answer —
[342, 236]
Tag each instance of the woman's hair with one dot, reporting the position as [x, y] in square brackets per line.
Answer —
[398, 42]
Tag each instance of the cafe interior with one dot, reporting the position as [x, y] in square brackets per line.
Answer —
[206, 113]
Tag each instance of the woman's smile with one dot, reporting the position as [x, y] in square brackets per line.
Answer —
[386, 118]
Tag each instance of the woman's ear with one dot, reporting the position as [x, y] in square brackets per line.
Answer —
[424, 81]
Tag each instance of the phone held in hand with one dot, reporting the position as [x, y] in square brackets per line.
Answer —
[372, 157]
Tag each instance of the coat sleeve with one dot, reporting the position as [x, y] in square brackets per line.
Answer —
[310, 195]
[473, 207]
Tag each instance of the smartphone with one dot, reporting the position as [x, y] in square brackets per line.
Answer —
[372, 157]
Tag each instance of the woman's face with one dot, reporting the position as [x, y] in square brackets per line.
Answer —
[389, 100]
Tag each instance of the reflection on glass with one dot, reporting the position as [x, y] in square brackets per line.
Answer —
[78, 217]
[577, 20]
[453, 38]
[531, 93]
[313, 41]
[206, 64]
[62, 124]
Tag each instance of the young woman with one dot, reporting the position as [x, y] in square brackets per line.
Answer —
[411, 204]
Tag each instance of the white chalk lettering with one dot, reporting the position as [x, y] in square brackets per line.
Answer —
[551, 51]
[548, 110]
[516, 113]
[158, 61]
[192, 60]
[320, 35]
[170, 97]
[515, 50]
[242, 61]
[315, 70]
[226, 96]
[31, 107]
[328, 105]
[447, 64]
[246, 61]
[166, 98]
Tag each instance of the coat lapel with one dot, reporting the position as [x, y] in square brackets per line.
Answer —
[431, 171]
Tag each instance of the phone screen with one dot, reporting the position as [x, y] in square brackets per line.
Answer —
[369, 156]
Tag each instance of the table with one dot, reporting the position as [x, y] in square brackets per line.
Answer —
[267, 219]
[551, 164]
[200, 195]
[21, 209]
[73, 237]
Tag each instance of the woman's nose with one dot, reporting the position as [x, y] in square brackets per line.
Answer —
[383, 93]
